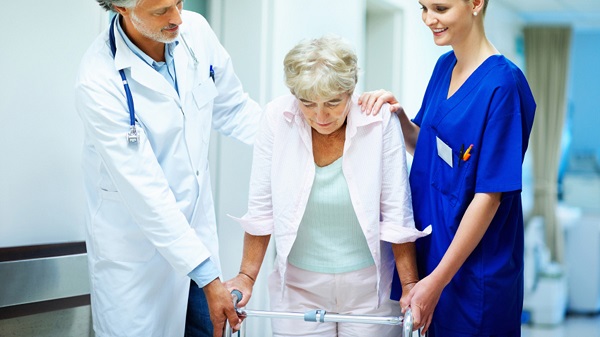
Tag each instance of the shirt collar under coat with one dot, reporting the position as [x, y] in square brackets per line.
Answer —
[356, 119]
[169, 47]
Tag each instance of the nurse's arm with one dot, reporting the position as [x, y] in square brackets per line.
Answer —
[255, 247]
[473, 226]
[475, 222]
[410, 131]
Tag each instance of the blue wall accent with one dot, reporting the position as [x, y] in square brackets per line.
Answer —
[584, 96]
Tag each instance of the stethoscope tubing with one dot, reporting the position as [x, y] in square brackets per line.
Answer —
[132, 136]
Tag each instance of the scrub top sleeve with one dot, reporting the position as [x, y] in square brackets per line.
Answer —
[418, 118]
[434, 80]
[499, 160]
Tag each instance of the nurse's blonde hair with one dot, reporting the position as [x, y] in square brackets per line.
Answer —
[321, 68]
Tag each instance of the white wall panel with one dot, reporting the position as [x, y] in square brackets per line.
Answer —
[297, 20]
[41, 193]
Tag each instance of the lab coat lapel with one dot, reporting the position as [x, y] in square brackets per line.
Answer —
[182, 62]
[144, 75]
[141, 72]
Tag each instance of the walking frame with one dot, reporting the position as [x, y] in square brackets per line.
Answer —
[318, 315]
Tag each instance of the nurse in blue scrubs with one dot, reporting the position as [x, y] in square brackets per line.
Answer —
[468, 140]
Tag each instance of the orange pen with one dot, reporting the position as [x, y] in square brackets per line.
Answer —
[467, 154]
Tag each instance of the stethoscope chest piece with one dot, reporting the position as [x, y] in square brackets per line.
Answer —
[133, 137]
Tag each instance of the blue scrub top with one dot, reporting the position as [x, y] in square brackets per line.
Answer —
[493, 110]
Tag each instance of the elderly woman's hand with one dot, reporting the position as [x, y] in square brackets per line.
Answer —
[244, 284]
[372, 101]
[405, 299]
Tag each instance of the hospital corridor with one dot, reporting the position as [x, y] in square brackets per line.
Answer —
[83, 141]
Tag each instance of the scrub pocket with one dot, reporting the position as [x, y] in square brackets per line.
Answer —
[450, 181]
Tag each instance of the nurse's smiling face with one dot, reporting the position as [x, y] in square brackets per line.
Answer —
[451, 21]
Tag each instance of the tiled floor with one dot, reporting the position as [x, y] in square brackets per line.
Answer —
[573, 326]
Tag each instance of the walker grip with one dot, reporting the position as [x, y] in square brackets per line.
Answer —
[237, 297]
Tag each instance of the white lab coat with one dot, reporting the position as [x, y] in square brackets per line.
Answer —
[150, 210]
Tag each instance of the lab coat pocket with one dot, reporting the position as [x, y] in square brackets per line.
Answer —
[117, 236]
[204, 93]
[450, 180]
[200, 117]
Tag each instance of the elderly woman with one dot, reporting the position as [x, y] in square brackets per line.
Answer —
[330, 184]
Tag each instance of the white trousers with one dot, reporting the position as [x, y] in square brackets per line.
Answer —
[352, 293]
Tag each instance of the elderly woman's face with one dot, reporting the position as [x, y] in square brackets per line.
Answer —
[326, 116]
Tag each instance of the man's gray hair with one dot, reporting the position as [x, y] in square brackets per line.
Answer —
[108, 4]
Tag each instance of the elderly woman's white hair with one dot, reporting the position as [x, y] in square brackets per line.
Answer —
[321, 68]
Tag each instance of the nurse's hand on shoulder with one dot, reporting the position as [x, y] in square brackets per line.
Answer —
[221, 308]
[423, 298]
[244, 284]
[371, 101]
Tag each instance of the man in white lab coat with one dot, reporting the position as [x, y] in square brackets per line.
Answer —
[151, 222]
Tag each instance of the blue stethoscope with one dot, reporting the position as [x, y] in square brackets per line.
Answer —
[132, 136]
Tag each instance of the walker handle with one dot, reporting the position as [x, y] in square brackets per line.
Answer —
[236, 295]
[407, 323]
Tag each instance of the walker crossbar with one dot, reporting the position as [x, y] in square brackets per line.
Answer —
[320, 315]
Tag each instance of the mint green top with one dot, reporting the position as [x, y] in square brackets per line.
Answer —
[329, 238]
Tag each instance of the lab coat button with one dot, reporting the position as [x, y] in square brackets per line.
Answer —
[197, 172]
